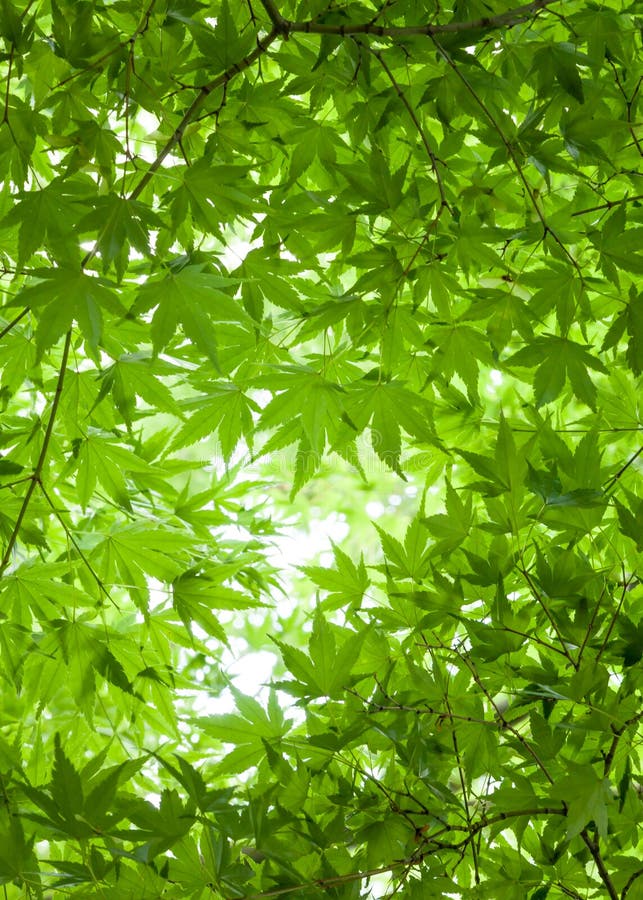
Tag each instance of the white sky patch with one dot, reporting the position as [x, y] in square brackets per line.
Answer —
[375, 509]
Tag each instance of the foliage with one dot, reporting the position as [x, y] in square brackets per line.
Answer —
[268, 260]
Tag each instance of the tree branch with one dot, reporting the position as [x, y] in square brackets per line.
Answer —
[536, 595]
[488, 23]
[197, 103]
[76, 545]
[592, 846]
[414, 860]
[279, 22]
[630, 882]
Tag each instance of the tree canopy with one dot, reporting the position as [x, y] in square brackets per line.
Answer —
[271, 267]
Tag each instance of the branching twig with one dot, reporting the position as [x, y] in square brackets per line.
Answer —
[510, 152]
[629, 104]
[609, 204]
[420, 129]
[142, 27]
[465, 797]
[617, 612]
[279, 23]
[537, 597]
[590, 627]
[204, 92]
[430, 846]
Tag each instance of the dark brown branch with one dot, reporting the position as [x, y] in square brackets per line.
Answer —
[416, 859]
[5, 116]
[488, 23]
[279, 22]
[37, 472]
[630, 882]
[592, 846]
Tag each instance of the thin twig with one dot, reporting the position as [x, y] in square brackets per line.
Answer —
[630, 882]
[79, 550]
[40, 462]
[609, 204]
[618, 734]
[465, 797]
[612, 481]
[420, 129]
[505, 722]
[510, 152]
[629, 103]
[590, 627]
[13, 322]
[608, 633]
[537, 597]
[5, 115]
[142, 27]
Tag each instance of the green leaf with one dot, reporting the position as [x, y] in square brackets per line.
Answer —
[66, 786]
[193, 298]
